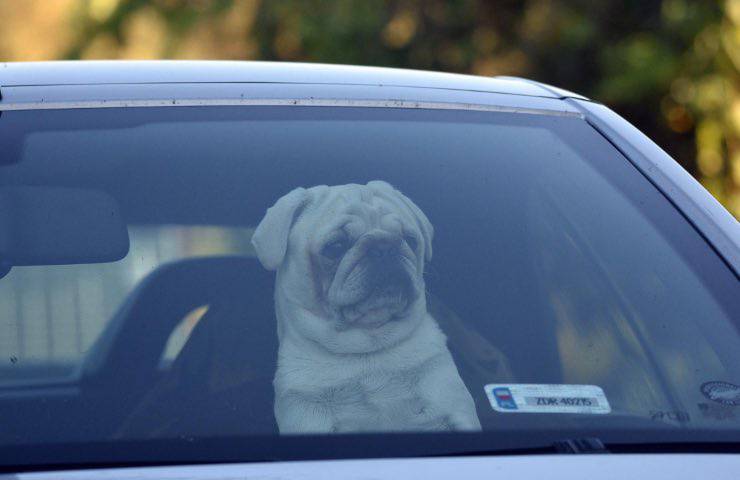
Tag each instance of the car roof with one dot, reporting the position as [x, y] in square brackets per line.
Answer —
[60, 73]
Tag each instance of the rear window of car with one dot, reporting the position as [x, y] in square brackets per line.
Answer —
[570, 292]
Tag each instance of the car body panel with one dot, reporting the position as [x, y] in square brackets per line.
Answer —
[47, 84]
[130, 95]
[557, 91]
[127, 72]
[570, 467]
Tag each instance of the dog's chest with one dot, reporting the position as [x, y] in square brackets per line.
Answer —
[381, 402]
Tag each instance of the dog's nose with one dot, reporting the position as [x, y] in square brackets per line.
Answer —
[383, 247]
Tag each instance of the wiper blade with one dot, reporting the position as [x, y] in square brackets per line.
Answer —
[589, 445]
[580, 445]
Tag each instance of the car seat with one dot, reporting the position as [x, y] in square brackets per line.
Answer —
[221, 381]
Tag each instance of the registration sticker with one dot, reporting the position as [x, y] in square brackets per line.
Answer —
[543, 398]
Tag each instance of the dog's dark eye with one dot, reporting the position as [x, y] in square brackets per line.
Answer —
[411, 241]
[335, 249]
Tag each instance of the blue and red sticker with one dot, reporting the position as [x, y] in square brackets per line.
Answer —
[504, 398]
[547, 398]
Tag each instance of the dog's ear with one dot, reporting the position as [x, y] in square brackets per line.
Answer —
[425, 226]
[270, 238]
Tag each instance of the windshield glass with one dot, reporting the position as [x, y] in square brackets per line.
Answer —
[255, 272]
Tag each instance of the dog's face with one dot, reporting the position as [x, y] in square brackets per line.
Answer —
[350, 263]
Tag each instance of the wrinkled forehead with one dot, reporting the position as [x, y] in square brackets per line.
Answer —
[357, 208]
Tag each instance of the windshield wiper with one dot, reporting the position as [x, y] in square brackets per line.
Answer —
[589, 445]
[584, 445]
[580, 445]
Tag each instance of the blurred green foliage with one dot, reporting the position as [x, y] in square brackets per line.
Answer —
[669, 66]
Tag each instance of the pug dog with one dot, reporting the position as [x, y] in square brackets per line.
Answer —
[358, 351]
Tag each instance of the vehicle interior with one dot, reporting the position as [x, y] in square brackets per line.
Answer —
[522, 284]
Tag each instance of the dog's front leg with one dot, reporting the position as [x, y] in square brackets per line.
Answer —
[297, 414]
[445, 391]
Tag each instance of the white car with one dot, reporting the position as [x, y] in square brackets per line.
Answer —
[587, 286]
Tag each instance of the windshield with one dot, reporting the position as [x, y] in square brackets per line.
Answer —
[263, 272]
